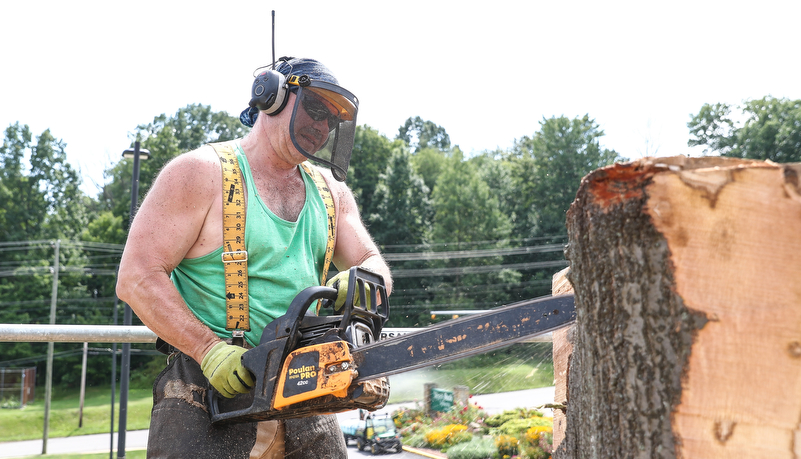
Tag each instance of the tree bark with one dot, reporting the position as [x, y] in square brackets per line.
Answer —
[687, 344]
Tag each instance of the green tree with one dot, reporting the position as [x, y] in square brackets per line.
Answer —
[401, 223]
[429, 164]
[419, 134]
[371, 153]
[403, 211]
[771, 130]
[548, 169]
[467, 216]
[166, 137]
[465, 209]
[42, 200]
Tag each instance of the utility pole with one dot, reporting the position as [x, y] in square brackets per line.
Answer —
[83, 384]
[49, 376]
[125, 374]
[113, 376]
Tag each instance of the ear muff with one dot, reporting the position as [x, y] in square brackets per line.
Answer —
[269, 92]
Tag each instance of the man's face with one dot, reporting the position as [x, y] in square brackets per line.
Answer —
[314, 119]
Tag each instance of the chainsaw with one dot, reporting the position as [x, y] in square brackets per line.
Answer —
[306, 365]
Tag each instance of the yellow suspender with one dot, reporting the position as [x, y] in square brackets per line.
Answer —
[235, 256]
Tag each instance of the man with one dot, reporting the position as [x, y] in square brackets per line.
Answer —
[171, 271]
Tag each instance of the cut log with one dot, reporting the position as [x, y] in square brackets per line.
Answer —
[562, 349]
[687, 344]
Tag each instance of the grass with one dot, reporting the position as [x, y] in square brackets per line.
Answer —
[136, 454]
[27, 423]
[508, 377]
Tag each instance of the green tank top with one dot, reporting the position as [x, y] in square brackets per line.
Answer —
[283, 259]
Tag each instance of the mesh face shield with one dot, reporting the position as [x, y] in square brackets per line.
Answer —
[323, 124]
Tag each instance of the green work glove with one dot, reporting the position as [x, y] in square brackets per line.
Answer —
[340, 282]
[223, 367]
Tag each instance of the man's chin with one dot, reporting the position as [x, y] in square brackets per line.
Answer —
[309, 145]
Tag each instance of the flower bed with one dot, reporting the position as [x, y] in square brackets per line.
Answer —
[466, 432]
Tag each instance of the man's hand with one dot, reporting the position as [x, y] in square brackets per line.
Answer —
[340, 282]
[223, 367]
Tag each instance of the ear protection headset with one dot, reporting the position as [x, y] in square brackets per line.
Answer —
[270, 88]
[269, 92]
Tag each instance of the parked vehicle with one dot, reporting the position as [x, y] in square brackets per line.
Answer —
[376, 433]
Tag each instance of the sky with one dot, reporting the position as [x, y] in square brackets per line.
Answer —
[487, 71]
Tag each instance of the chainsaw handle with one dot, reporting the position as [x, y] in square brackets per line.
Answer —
[288, 324]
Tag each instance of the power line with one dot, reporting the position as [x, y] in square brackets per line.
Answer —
[478, 253]
[428, 246]
[60, 301]
[426, 272]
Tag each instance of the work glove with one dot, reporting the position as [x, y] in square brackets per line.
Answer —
[340, 282]
[223, 367]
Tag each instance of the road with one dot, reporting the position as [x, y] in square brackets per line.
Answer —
[491, 403]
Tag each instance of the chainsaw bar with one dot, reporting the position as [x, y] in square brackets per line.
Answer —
[459, 338]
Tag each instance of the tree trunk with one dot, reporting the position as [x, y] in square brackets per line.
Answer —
[687, 275]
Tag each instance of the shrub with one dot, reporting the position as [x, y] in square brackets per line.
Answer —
[500, 419]
[406, 416]
[538, 442]
[517, 427]
[506, 445]
[463, 414]
[416, 439]
[483, 448]
[497, 420]
[449, 435]
[533, 433]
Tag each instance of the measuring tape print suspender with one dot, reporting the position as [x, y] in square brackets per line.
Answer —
[235, 255]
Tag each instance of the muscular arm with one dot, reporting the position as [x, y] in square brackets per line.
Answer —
[170, 224]
[354, 246]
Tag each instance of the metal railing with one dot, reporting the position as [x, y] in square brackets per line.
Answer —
[30, 333]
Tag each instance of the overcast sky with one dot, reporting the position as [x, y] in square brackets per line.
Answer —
[488, 72]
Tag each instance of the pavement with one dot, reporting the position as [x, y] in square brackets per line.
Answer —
[137, 439]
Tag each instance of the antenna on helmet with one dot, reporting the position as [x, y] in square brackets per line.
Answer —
[273, 39]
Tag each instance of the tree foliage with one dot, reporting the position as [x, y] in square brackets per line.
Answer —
[166, 137]
[770, 130]
[40, 193]
[402, 212]
[419, 134]
[371, 153]
[548, 168]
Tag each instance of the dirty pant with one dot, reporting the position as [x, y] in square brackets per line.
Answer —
[180, 426]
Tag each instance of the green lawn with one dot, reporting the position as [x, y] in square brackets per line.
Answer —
[136, 454]
[27, 423]
[508, 377]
